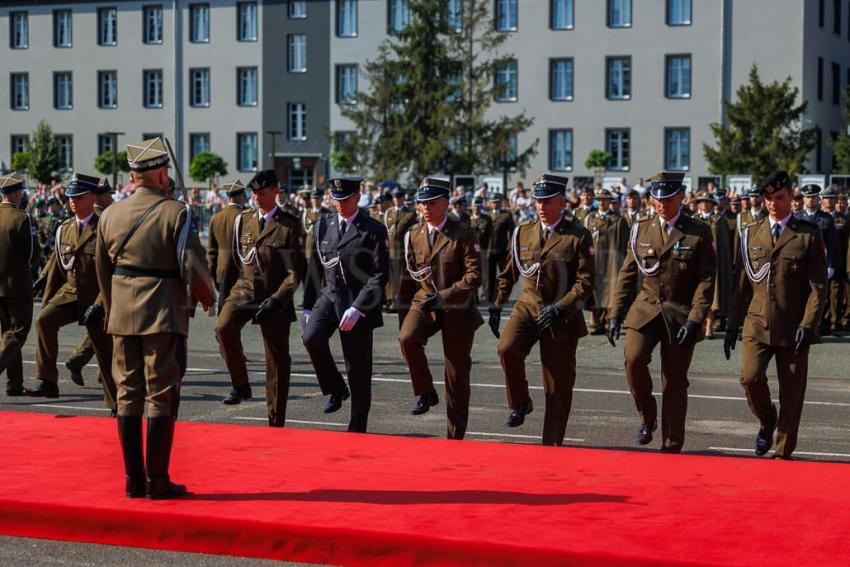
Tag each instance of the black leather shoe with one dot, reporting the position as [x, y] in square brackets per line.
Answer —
[76, 374]
[644, 434]
[597, 331]
[424, 403]
[44, 390]
[14, 392]
[517, 416]
[275, 422]
[764, 439]
[236, 395]
[336, 400]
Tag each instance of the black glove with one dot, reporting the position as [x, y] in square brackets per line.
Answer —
[687, 333]
[267, 309]
[729, 343]
[549, 315]
[803, 338]
[433, 302]
[614, 331]
[495, 319]
[93, 315]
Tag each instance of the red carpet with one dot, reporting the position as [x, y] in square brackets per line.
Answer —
[350, 499]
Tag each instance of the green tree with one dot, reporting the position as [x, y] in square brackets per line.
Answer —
[44, 153]
[765, 131]
[841, 144]
[207, 165]
[598, 161]
[103, 162]
[21, 161]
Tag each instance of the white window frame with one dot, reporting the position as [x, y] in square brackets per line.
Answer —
[19, 29]
[622, 153]
[619, 68]
[199, 23]
[107, 89]
[296, 121]
[20, 95]
[63, 82]
[199, 78]
[671, 136]
[247, 86]
[152, 88]
[347, 76]
[63, 30]
[247, 21]
[152, 24]
[107, 26]
[507, 73]
[568, 81]
[566, 150]
[296, 50]
[679, 75]
[247, 141]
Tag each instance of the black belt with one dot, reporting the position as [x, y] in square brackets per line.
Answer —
[147, 273]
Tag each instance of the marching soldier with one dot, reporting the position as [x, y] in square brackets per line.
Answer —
[723, 246]
[610, 234]
[444, 257]
[585, 205]
[270, 247]
[309, 217]
[781, 286]
[71, 294]
[838, 281]
[459, 209]
[221, 256]
[754, 212]
[352, 249]
[399, 220]
[19, 255]
[482, 224]
[140, 243]
[675, 254]
[503, 228]
[554, 257]
[812, 212]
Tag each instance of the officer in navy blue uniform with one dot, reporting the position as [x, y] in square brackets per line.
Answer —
[812, 212]
[353, 251]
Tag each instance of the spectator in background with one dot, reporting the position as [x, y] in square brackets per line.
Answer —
[365, 194]
[640, 188]
[523, 205]
[514, 193]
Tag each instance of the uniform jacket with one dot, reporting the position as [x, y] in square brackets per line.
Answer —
[398, 223]
[149, 304]
[633, 216]
[565, 276]
[503, 228]
[826, 224]
[792, 295]
[483, 227]
[842, 230]
[723, 245]
[610, 233]
[220, 255]
[79, 283]
[363, 269]
[682, 289]
[455, 263]
[308, 219]
[462, 217]
[20, 252]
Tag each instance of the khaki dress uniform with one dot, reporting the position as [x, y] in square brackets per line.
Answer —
[400, 288]
[220, 254]
[503, 228]
[610, 234]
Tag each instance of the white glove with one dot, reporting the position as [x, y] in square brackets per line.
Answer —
[305, 317]
[349, 319]
[829, 273]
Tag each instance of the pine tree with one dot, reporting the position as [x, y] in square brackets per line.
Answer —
[44, 153]
[765, 131]
[841, 144]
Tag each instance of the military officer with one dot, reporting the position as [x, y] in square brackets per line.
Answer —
[309, 217]
[610, 233]
[444, 258]
[675, 255]
[723, 243]
[141, 241]
[782, 288]
[221, 256]
[633, 211]
[585, 204]
[482, 224]
[755, 211]
[554, 258]
[459, 209]
[812, 212]
[270, 248]
[353, 250]
[503, 228]
[20, 253]
[399, 220]
[838, 281]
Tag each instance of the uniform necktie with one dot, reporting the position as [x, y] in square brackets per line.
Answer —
[79, 228]
[777, 229]
[342, 226]
[665, 231]
[262, 223]
[431, 232]
[545, 237]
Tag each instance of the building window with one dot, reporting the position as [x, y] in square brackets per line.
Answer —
[346, 18]
[199, 23]
[399, 15]
[107, 26]
[63, 90]
[677, 149]
[65, 146]
[619, 78]
[818, 150]
[19, 34]
[678, 12]
[247, 21]
[561, 14]
[346, 84]
[151, 135]
[198, 143]
[617, 141]
[678, 76]
[506, 15]
[20, 91]
[507, 81]
[454, 15]
[247, 159]
[104, 143]
[297, 120]
[152, 24]
[247, 81]
[836, 20]
[152, 79]
[19, 143]
[820, 78]
[107, 89]
[560, 150]
[297, 9]
[62, 33]
[199, 94]
[619, 13]
[836, 83]
[297, 53]
[561, 79]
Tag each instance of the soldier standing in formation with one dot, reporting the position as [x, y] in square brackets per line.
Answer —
[503, 228]
[585, 205]
[812, 212]
[675, 254]
[554, 257]
[633, 212]
[838, 281]
[723, 243]
[482, 224]
[781, 286]
[141, 242]
[221, 255]
[459, 209]
[444, 258]
[270, 248]
[610, 233]
[353, 250]
[399, 220]
[309, 217]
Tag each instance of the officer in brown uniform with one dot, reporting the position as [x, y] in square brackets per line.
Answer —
[610, 233]
[20, 253]
[723, 243]
[71, 294]
[675, 255]
[497, 253]
[271, 251]
[554, 257]
[399, 220]
[221, 256]
[482, 224]
[148, 257]
[585, 205]
[459, 211]
[782, 288]
[443, 256]
[838, 281]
